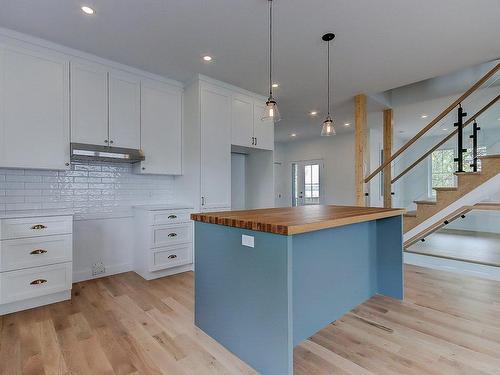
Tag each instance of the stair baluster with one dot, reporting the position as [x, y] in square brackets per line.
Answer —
[460, 138]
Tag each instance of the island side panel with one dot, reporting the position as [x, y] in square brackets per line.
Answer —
[242, 295]
[334, 270]
[390, 257]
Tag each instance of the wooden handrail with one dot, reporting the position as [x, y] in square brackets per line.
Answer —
[466, 94]
[446, 139]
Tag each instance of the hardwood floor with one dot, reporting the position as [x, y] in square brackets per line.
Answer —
[122, 324]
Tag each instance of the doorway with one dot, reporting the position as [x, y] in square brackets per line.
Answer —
[306, 182]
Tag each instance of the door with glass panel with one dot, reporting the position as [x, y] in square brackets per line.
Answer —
[306, 182]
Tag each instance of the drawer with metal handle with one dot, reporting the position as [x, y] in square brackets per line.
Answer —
[164, 235]
[35, 227]
[170, 217]
[171, 256]
[35, 282]
[35, 251]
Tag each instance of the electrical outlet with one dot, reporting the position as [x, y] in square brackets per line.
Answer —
[98, 268]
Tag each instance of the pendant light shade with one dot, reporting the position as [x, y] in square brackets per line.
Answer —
[328, 128]
[271, 112]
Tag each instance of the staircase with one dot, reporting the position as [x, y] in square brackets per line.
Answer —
[467, 182]
[482, 100]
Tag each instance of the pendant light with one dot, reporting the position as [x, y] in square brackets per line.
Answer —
[328, 128]
[271, 111]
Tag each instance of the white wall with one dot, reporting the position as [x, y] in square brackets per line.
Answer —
[238, 181]
[338, 176]
[478, 221]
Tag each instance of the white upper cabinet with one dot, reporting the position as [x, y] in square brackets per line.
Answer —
[263, 131]
[242, 120]
[124, 110]
[34, 109]
[161, 129]
[247, 127]
[89, 104]
[215, 103]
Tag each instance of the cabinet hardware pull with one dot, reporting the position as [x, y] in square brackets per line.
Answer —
[38, 251]
[38, 226]
[66, 164]
[38, 282]
[172, 234]
[256, 141]
[173, 256]
[202, 201]
[253, 141]
[172, 216]
[105, 141]
[111, 142]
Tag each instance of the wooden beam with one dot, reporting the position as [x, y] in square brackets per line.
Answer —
[360, 147]
[388, 129]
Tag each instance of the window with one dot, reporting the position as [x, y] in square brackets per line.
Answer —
[311, 184]
[443, 166]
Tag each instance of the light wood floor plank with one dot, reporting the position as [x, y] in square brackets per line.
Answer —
[448, 324]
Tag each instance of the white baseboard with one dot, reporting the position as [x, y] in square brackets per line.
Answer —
[30, 303]
[463, 268]
[86, 274]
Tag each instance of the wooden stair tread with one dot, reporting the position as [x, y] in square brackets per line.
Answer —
[452, 188]
[466, 173]
[425, 202]
[497, 156]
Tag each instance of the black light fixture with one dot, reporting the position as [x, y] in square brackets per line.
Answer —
[271, 112]
[328, 128]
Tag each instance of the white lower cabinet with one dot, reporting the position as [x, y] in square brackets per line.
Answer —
[36, 266]
[163, 241]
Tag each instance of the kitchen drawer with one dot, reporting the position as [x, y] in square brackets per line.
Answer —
[34, 282]
[35, 227]
[170, 217]
[36, 251]
[171, 256]
[171, 234]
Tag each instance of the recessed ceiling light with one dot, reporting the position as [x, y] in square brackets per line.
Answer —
[207, 58]
[401, 131]
[275, 84]
[313, 113]
[87, 10]
[347, 124]
[423, 116]
[293, 135]
[445, 129]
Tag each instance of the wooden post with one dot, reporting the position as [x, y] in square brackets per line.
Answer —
[388, 122]
[360, 147]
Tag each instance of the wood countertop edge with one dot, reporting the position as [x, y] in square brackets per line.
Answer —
[293, 229]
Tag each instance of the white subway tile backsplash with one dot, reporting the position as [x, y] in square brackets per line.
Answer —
[85, 188]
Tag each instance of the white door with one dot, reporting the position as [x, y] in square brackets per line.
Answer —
[89, 104]
[124, 110]
[215, 147]
[242, 121]
[34, 109]
[306, 183]
[161, 128]
[263, 130]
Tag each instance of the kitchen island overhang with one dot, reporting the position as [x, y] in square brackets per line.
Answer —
[262, 301]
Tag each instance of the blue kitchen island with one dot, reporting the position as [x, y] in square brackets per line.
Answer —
[267, 279]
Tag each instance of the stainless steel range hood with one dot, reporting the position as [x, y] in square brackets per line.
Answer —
[85, 152]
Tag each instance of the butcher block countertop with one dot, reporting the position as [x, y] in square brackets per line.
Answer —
[296, 220]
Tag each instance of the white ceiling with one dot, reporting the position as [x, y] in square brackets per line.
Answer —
[380, 44]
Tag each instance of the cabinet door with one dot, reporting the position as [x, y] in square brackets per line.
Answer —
[34, 116]
[89, 104]
[263, 130]
[124, 110]
[161, 128]
[215, 147]
[242, 120]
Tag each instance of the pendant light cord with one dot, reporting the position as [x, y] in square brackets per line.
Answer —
[270, 47]
[328, 69]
